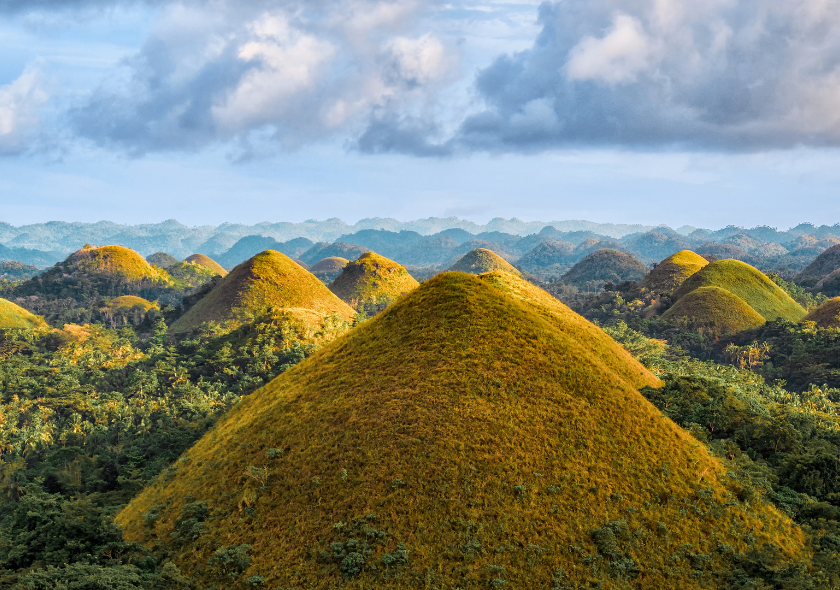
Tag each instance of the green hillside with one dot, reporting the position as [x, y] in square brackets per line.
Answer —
[673, 271]
[482, 260]
[605, 265]
[460, 439]
[14, 316]
[748, 283]
[269, 279]
[826, 315]
[372, 279]
[715, 310]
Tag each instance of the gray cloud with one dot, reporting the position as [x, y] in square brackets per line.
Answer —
[749, 75]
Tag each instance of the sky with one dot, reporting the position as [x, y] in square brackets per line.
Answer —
[625, 111]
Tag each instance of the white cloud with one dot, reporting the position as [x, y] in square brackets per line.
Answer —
[418, 61]
[20, 102]
[615, 58]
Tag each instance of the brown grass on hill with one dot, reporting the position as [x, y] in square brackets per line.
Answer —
[492, 439]
[268, 280]
[116, 260]
[483, 260]
[826, 315]
[715, 311]
[207, 262]
[673, 271]
[370, 278]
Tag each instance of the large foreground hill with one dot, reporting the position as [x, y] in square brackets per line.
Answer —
[467, 437]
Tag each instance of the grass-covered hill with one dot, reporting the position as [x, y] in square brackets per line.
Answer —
[460, 439]
[339, 250]
[481, 260]
[196, 270]
[715, 311]
[549, 253]
[829, 285]
[114, 260]
[269, 279]
[130, 301]
[749, 284]
[826, 315]
[823, 265]
[206, 262]
[162, 259]
[12, 270]
[14, 316]
[605, 265]
[372, 280]
[673, 271]
[329, 268]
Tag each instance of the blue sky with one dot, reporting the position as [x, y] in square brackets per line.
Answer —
[652, 111]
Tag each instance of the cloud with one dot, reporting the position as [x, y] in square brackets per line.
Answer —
[266, 73]
[20, 104]
[719, 75]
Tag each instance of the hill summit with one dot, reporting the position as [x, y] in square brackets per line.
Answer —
[116, 261]
[605, 265]
[206, 262]
[466, 437]
[196, 270]
[826, 315]
[482, 260]
[268, 280]
[673, 271]
[372, 280]
[715, 310]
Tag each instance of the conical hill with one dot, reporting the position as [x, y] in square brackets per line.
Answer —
[826, 315]
[269, 279]
[605, 265]
[748, 283]
[329, 268]
[206, 262]
[824, 264]
[372, 279]
[14, 316]
[673, 271]
[715, 310]
[460, 439]
[116, 261]
[482, 260]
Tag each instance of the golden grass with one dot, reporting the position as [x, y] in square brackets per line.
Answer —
[673, 271]
[207, 262]
[329, 265]
[269, 279]
[715, 311]
[430, 415]
[826, 315]
[117, 260]
[483, 260]
[14, 316]
[748, 283]
[370, 278]
[129, 301]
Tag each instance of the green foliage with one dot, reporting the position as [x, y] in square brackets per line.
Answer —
[806, 299]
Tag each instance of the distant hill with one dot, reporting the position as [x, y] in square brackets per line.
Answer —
[826, 315]
[420, 449]
[714, 310]
[12, 270]
[656, 245]
[606, 265]
[162, 259]
[822, 266]
[249, 246]
[482, 260]
[372, 282]
[206, 262]
[673, 271]
[268, 280]
[749, 284]
[723, 251]
[196, 270]
[328, 269]
[14, 316]
[548, 253]
[336, 250]
[829, 285]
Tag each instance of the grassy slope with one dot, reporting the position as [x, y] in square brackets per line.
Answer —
[130, 301]
[716, 310]
[329, 265]
[192, 273]
[748, 283]
[269, 279]
[826, 315]
[673, 271]
[117, 260]
[206, 262]
[14, 316]
[482, 260]
[822, 265]
[606, 265]
[461, 392]
[370, 277]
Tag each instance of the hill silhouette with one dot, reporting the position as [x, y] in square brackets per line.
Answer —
[715, 310]
[605, 265]
[372, 279]
[162, 259]
[673, 271]
[14, 316]
[822, 266]
[826, 315]
[482, 260]
[329, 268]
[269, 279]
[489, 441]
[748, 283]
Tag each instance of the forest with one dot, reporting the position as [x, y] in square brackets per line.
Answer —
[103, 397]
